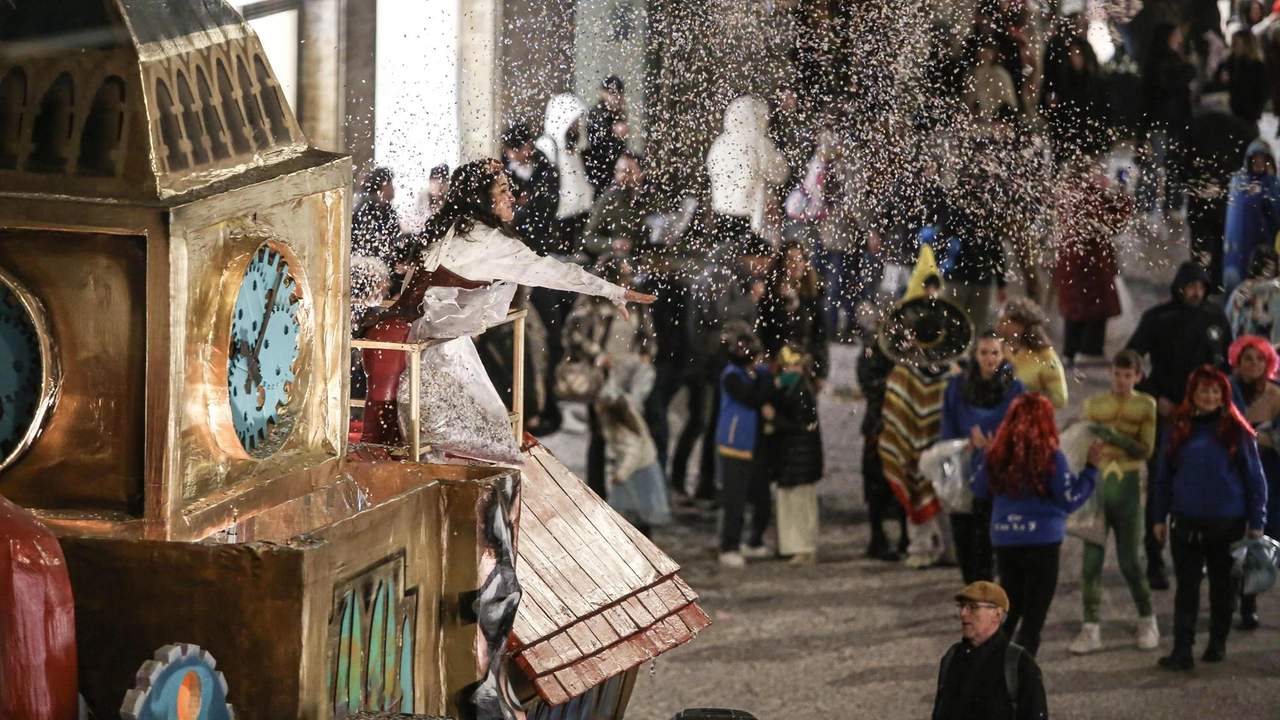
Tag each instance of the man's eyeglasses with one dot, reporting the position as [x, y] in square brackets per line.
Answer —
[974, 606]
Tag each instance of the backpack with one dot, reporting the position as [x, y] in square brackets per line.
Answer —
[1012, 653]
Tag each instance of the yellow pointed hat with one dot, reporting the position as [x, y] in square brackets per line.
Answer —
[926, 266]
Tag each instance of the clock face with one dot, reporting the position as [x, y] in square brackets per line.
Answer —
[264, 352]
[26, 376]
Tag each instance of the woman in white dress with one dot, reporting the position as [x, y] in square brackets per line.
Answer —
[467, 276]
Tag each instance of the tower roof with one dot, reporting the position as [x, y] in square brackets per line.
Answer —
[135, 99]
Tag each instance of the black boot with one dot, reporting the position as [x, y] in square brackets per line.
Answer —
[1179, 659]
[1249, 612]
[1156, 576]
[1216, 652]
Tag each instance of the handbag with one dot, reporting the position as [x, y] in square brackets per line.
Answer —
[580, 379]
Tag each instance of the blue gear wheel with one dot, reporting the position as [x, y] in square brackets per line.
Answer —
[179, 673]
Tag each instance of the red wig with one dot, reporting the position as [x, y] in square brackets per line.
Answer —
[1024, 453]
[1232, 428]
[1260, 344]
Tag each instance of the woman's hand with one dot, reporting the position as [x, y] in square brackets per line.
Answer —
[635, 297]
[1255, 533]
[1161, 532]
[1095, 453]
[639, 297]
[977, 439]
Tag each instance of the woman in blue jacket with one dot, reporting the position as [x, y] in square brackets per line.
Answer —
[972, 407]
[1032, 492]
[1212, 484]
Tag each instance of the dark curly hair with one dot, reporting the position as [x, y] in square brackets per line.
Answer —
[469, 201]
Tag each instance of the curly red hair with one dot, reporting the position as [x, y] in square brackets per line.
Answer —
[1232, 428]
[1260, 344]
[1024, 453]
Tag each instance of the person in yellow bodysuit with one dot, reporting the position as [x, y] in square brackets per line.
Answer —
[1125, 420]
[1027, 346]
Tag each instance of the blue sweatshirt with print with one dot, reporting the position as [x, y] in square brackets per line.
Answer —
[1205, 480]
[1036, 520]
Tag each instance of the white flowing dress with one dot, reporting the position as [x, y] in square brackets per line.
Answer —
[462, 413]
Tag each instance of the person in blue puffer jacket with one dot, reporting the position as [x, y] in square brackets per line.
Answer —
[1210, 492]
[1032, 491]
[973, 407]
[745, 388]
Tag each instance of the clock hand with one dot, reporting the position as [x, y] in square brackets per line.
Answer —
[255, 368]
[271, 307]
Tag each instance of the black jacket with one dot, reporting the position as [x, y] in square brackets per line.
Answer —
[1179, 338]
[873, 377]
[537, 199]
[975, 688]
[802, 324]
[797, 436]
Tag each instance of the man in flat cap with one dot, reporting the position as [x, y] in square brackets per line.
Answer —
[984, 676]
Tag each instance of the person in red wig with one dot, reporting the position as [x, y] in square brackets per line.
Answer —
[1209, 492]
[1032, 492]
[1257, 397]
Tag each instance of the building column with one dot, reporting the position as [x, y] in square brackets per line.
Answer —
[336, 87]
[478, 78]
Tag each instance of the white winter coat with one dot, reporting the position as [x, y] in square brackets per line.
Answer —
[743, 162]
[576, 193]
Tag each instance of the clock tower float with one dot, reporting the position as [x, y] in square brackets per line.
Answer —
[174, 407]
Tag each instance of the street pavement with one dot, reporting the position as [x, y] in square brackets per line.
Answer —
[852, 638]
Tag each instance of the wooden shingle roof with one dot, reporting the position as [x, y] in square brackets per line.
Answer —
[599, 597]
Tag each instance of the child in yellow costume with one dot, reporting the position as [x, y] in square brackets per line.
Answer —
[1125, 420]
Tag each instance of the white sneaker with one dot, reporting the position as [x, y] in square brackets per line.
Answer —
[732, 560]
[1148, 633]
[1089, 640]
[918, 562]
[762, 552]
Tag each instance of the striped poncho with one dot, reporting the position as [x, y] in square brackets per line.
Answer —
[912, 422]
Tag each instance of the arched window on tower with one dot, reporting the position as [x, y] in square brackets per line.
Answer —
[212, 123]
[13, 107]
[231, 111]
[103, 130]
[191, 122]
[269, 92]
[51, 131]
[170, 129]
[254, 113]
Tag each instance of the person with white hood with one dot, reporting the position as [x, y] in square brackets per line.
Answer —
[562, 142]
[743, 164]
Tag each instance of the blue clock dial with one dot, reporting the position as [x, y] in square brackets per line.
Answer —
[263, 353]
[21, 372]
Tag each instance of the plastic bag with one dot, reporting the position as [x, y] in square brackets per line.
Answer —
[948, 465]
[1257, 560]
[1088, 522]
[461, 412]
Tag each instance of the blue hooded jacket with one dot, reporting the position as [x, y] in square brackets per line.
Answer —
[1253, 217]
[1205, 480]
[1035, 520]
[741, 395]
